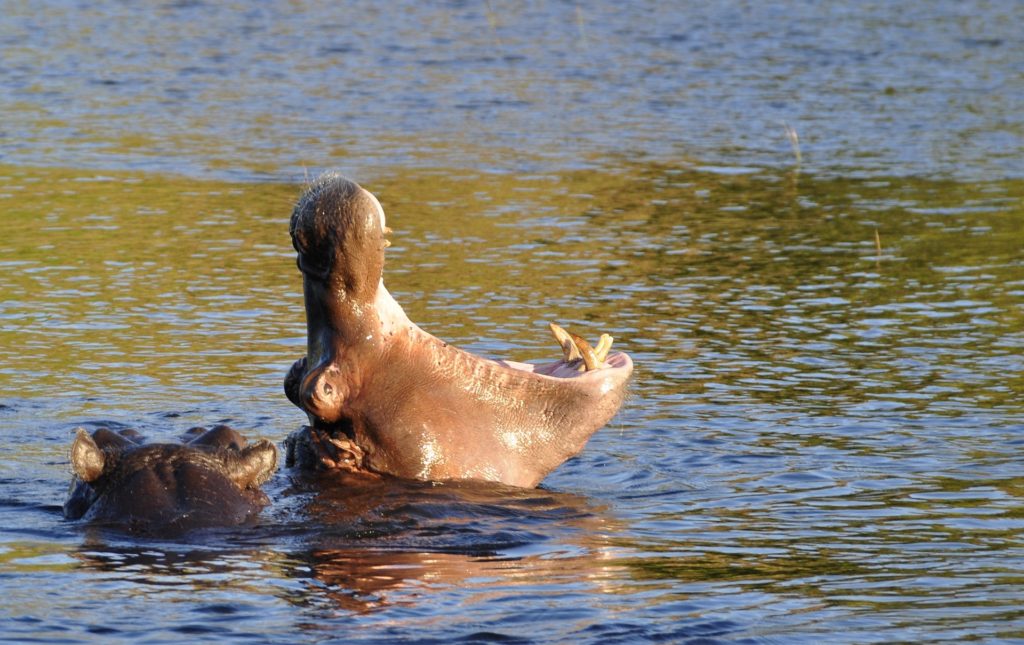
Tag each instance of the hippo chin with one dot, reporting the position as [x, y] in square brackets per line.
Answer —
[211, 479]
[384, 396]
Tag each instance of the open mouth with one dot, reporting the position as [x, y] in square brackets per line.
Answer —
[578, 357]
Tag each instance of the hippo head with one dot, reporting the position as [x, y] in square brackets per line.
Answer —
[211, 479]
[382, 395]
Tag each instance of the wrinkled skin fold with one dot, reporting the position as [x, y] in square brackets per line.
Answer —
[384, 396]
[210, 479]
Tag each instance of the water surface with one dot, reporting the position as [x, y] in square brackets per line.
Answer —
[240, 90]
[823, 435]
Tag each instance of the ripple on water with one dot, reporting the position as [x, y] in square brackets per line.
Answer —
[819, 442]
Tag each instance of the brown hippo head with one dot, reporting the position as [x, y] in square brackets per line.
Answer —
[382, 395]
[211, 479]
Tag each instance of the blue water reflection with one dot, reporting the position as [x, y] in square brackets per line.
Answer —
[240, 90]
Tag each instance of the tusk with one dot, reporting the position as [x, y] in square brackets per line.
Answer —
[590, 361]
[604, 345]
[569, 349]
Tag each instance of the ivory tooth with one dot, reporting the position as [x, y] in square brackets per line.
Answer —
[604, 345]
[590, 361]
[565, 341]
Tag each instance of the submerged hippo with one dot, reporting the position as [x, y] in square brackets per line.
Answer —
[384, 396]
[211, 479]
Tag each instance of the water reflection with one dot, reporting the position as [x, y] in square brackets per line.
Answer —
[373, 542]
[338, 545]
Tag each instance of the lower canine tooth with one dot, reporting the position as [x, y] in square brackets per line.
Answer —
[565, 341]
[604, 345]
[590, 361]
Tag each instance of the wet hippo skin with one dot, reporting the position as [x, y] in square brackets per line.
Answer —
[210, 479]
[384, 396]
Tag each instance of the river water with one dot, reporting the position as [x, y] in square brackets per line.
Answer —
[824, 436]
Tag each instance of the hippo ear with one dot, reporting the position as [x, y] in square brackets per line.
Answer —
[86, 457]
[253, 465]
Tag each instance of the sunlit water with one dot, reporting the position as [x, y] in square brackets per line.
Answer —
[824, 434]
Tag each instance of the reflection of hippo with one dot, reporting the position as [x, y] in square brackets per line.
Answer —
[372, 542]
[211, 479]
[385, 396]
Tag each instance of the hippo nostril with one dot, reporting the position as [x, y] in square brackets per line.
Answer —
[321, 393]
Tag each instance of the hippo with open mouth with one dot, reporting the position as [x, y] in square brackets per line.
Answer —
[384, 396]
[211, 479]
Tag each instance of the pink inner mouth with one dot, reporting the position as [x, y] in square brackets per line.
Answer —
[562, 369]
